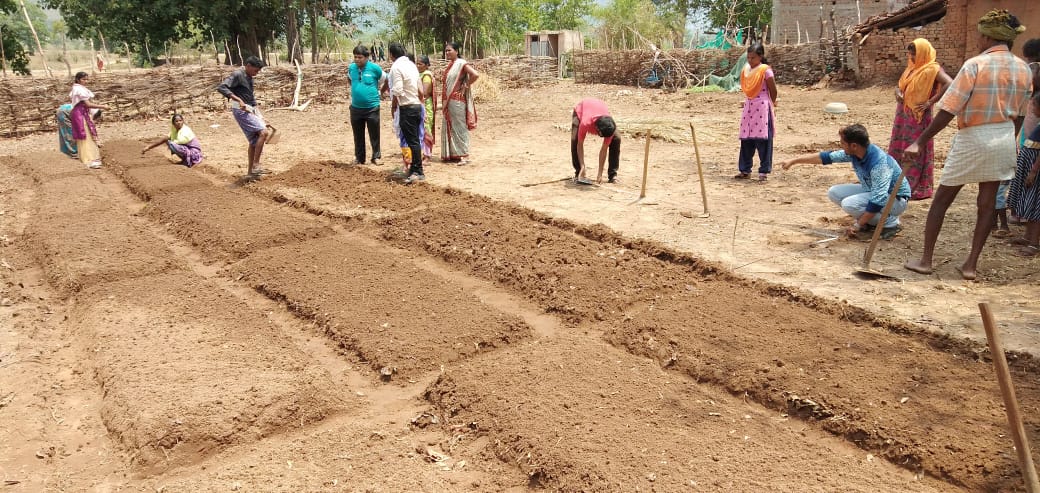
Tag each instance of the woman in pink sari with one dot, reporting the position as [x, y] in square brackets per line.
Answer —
[460, 116]
[922, 84]
[83, 130]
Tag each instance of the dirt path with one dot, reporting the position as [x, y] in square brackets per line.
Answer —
[327, 328]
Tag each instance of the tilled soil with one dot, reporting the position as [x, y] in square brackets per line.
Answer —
[328, 328]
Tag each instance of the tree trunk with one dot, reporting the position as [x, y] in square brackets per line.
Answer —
[39, 47]
[216, 52]
[64, 56]
[3, 54]
[313, 17]
[292, 33]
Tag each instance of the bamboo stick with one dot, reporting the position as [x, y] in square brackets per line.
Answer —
[646, 164]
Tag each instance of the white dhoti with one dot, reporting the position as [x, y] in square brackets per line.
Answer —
[981, 153]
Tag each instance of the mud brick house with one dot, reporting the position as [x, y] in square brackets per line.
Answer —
[814, 17]
[878, 53]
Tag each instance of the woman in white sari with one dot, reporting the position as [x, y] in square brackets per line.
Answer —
[460, 116]
[83, 130]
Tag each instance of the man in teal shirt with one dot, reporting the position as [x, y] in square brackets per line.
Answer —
[365, 79]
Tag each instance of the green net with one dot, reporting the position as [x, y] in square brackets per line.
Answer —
[731, 81]
[720, 42]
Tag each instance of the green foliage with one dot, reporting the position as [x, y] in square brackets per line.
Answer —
[14, 52]
[498, 23]
[728, 14]
[16, 55]
[621, 20]
[14, 20]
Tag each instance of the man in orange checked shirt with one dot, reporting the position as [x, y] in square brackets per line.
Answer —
[989, 98]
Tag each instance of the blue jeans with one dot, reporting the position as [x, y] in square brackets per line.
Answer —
[1002, 194]
[853, 199]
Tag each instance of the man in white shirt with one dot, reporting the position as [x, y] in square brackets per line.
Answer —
[404, 86]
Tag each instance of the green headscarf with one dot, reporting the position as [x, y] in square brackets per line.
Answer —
[996, 24]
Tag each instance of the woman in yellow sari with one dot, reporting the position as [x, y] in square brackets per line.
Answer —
[921, 85]
[426, 79]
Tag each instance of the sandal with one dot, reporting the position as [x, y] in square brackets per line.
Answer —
[1001, 233]
[1028, 251]
[742, 176]
[763, 177]
[1020, 241]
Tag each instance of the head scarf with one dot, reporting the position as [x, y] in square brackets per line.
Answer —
[751, 79]
[996, 24]
[919, 77]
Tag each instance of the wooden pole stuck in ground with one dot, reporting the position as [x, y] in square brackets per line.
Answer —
[700, 171]
[1007, 391]
[646, 164]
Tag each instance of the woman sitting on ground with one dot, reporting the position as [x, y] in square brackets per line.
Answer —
[182, 142]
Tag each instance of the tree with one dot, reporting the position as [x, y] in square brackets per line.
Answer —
[624, 24]
[486, 23]
[14, 21]
[437, 20]
[675, 14]
[246, 25]
[561, 14]
[14, 52]
[752, 15]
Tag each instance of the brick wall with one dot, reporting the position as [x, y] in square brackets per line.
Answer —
[881, 58]
[807, 14]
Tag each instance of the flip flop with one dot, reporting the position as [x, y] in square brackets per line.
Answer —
[742, 176]
[1020, 241]
[1028, 251]
[1001, 233]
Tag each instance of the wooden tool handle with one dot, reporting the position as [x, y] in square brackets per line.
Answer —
[881, 220]
[1007, 391]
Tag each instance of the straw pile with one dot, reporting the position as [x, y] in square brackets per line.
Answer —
[487, 89]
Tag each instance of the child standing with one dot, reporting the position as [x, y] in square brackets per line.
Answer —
[757, 125]
[1024, 198]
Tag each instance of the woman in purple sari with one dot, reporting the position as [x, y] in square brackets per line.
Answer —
[182, 142]
[83, 130]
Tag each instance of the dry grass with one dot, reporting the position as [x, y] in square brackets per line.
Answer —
[666, 130]
[487, 89]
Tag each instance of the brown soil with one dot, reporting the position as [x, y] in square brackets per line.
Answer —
[327, 328]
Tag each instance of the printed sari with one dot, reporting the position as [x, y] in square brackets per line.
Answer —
[66, 143]
[460, 116]
[83, 130]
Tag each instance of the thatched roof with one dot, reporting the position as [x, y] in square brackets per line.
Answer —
[917, 13]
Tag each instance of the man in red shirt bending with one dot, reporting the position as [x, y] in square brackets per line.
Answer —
[592, 115]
